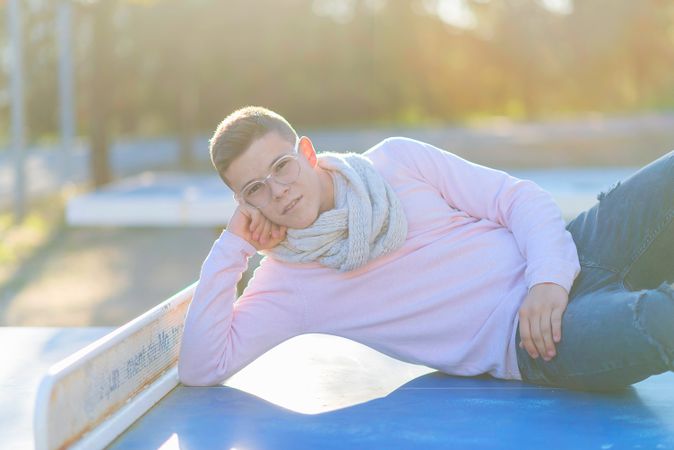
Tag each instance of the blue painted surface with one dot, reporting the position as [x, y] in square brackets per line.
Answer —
[28, 352]
[431, 412]
[576, 180]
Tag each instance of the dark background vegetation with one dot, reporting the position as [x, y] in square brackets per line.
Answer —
[178, 66]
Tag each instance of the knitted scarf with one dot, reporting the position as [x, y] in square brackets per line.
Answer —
[368, 220]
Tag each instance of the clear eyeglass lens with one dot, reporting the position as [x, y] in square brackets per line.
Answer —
[257, 194]
[284, 171]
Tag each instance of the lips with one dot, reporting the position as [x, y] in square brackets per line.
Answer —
[291, 205]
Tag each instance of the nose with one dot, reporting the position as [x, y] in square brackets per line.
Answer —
[278, 190]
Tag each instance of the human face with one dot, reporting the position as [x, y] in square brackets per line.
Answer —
[295, 205]
[284, 170]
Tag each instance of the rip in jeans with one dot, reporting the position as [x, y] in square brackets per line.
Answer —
[602, 195]
[667, 355]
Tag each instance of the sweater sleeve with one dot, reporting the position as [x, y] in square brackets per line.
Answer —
[528, 211]
[222, 335]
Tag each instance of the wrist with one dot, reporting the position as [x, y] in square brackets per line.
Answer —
[230, 237]
[547, 284]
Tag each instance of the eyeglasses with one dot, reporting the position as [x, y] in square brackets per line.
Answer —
[285, 170]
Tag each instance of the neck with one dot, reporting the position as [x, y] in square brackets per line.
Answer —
[327, 191]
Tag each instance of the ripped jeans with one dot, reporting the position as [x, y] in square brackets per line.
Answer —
[618, 327]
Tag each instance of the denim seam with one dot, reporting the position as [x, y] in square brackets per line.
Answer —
[538, 375]
[589, 263]
[535, 379]
[542, 377]
[646, 244]
[596, 372]
[626, 285]
[594, 265]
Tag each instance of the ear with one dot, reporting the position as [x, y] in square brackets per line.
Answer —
[306, 148]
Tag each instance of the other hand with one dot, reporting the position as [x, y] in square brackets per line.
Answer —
[541, 319]
[251, 225]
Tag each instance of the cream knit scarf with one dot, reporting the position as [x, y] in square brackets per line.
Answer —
[368, 220]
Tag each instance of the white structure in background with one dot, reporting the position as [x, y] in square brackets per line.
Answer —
[154, 199]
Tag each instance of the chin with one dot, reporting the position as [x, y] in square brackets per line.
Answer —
[303, 222]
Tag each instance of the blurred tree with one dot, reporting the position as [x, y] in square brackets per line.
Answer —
[625, 63]
[101, 88]
[170, 56]
[176, 67]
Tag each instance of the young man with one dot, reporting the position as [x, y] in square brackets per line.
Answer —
[431, 259]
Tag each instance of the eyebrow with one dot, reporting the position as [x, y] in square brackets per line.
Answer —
[269, 168]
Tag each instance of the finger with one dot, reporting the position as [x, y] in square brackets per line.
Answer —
[275, 231]
[546, 334]
[556, 319]
[535, 325]
[266, 231]
[259, 227]
[254, 219]
[525, 334]
[282, 232]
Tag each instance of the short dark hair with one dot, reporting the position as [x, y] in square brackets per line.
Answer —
[237, 132]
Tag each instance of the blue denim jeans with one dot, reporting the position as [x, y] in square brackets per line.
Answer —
[618, 327]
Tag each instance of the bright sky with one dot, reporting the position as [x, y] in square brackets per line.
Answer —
[458, 13]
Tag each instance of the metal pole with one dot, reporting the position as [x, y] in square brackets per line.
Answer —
[66, 91]
[17, 111]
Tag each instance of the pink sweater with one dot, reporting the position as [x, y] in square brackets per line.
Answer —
[448, 299]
